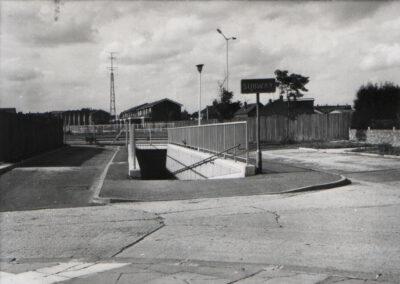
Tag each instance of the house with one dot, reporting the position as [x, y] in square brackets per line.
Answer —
[84, 116]
[161, 110]
[248, 110]
[325, 109]
[284, 107]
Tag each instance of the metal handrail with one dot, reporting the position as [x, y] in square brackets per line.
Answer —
[212, 124]
[204, 161]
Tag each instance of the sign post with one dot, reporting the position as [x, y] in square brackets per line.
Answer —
[257, 86]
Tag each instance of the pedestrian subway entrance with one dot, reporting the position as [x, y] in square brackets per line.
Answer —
[152, 163]
[177, 162]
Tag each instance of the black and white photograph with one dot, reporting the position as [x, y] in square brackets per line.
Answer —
[188, 142]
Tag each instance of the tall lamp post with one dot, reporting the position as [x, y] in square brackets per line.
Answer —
[199, 68]
[227, 60]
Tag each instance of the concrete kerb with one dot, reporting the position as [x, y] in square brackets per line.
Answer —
[11, 166]
[342, 182]
[96, 187]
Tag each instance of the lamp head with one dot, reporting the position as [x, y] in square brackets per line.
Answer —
[199, 67]
[218, 30]
[233, 38]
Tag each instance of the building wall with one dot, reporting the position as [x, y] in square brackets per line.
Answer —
[166, 111]
[99, 117]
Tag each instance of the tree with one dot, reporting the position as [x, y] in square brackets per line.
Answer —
[224, 108]
[291, 85]
[185, 115]
[377, 106]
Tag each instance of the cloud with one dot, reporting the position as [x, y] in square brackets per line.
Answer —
[53, 35]
[37, 26]
[382, 56]
[23, 74]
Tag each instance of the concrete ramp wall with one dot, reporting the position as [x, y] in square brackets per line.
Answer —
[180, 157]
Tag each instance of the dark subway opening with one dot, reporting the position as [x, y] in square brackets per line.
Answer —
[152, 164]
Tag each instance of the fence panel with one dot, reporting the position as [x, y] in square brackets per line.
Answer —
[306, 127]
[214, 138]
[25, 135]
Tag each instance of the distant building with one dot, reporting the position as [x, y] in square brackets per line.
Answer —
[161, 110]
[284, 107]
[324, 109]
[248, 110]
[83, 116]
[8, 109]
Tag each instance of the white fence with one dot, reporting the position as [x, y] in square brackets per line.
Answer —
[228, 138]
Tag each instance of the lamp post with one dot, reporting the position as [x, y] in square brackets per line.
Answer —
[199, 68]
[227, 60]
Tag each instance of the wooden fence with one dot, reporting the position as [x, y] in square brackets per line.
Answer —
[306, 127]
[25, 135]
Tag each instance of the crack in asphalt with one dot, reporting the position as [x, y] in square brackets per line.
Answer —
[138, 240]
[276, 215]
[189, 210]
[246, 277]
[119, 276]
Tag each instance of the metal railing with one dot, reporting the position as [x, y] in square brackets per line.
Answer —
[214, 138]
[113, 128]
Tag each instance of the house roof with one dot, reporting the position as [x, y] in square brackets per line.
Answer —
[134, 108]
[332, 108]
[146, 105]
[246, 109]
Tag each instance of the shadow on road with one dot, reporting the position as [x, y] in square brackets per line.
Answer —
[70, 157]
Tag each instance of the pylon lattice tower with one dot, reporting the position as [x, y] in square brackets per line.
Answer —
[113, 112]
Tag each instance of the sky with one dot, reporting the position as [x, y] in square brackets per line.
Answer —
[54, 55]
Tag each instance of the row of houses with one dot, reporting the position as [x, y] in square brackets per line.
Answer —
[160, 110]
[169, 110]
[284, 107]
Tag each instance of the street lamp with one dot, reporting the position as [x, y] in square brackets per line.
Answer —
[199, 68]
[227, 61]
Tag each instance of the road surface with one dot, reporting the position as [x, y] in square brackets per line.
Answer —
[348, 235]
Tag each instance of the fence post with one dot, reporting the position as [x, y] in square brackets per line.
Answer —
[126, 132]
[150, 135]
[224, 140]
[132, 143]
[247, 144]
[234, 142]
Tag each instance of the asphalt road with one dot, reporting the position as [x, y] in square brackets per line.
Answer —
[65, 178]
[347, 235]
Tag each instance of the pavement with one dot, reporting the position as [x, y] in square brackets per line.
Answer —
[277, 178]
[347, 234]
[64, 178]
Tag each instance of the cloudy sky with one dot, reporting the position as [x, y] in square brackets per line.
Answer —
[54, 54]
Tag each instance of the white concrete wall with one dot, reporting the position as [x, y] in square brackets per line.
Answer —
[376, 136]
[178, 157]
[134, 168]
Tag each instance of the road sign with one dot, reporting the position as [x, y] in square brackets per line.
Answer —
[257, 86]
[252, 86]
